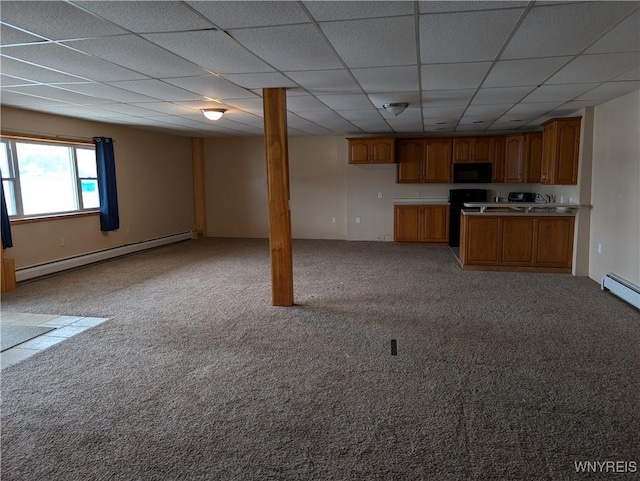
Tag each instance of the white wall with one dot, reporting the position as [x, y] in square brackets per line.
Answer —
[615, 218]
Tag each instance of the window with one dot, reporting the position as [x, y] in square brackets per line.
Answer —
[41, 177]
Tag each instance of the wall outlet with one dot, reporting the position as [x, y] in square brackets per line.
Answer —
[333, 220]
[61, 241]
[599, 248]
[357, 220]
[379, 195]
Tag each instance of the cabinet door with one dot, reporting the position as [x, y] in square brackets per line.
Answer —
[514, 159]
[437, 160]
[382, 151]
[481, 150]
[406, 223]
[567, 152]
[517, 240]
[533, 157]
[498, 159]
[435, 223]
[410, 161]
[462, 149]
[554, 241]
[481, 240]
[359, 151]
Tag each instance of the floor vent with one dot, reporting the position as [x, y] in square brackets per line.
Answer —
[622, 288]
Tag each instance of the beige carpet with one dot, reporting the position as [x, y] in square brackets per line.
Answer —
[498, 376]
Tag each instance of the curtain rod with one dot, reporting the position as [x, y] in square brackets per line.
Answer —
[8, 131]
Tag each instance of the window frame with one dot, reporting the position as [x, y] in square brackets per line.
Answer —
[8, 141]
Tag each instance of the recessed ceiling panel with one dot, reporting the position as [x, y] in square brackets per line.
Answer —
[386, 79]
[147, 16]
[156, 89]
[323, 11]
[465, 37]
[137, 54]
[326, 81]
[564, 29]
[453, 76]
[56, 20]
[211, 49]
[71, 62]
[595, 68]
[309, 51]
[378, 42]
[531, 71]
[233, 14]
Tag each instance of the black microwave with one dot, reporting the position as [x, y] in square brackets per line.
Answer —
[472, 172]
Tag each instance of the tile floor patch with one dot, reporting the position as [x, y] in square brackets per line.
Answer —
[65, 327]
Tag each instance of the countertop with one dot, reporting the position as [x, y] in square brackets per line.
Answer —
[520, 208]
[421, 201]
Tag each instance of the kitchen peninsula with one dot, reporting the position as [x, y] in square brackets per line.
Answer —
[527, 237]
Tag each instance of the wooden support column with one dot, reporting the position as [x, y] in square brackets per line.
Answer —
[277, 155]
[7, 273]
[199, 199]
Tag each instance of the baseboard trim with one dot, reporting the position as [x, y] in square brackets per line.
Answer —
[59, 265]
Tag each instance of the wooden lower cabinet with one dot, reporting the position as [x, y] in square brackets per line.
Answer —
[421, 223]
[519, 243]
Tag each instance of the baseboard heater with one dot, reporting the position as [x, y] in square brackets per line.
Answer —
[622, 288]
[39, 270]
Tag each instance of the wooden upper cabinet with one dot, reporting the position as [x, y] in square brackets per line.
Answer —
[560, 151]
[373, 150]
[533, 157]
[474, 149]
[462, 149]
[514, 159]
[498, 159]
[424, 161]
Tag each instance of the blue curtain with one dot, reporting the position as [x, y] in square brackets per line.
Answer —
[109, 218]
[7, 241]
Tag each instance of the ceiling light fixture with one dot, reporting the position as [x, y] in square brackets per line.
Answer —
[213, 114]
[396, 108]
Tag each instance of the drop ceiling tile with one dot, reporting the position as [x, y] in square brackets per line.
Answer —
[373, 126]
[211, 49]
[625, 37]
[491, 110]
[480, 122]
[155, 108]
[137, 54]
[519, 119]
[22, 99]
[501, 95]
[56, 20]
[466, 36]
[632, 74]
[309, 51]
[463, 6]
[470, 128]
[515, 73]
[564, 29]
[595, 68]
[505, 127]
[577, 105]
[10, 81]
[130, 110]
[252, 105]
[233, 14]
[83, 111]
[260, 80]
[326, 118]
[326, 81]
[610, 90]
[245, 118]
[323, 11]
[401, 126]
[537, 109]
[141, 17]
[360, 115]
[71, 62]
[12, 36]
[412, 98]
[453, 76]
[552, 93]
[379, 42]
[156, 89]
[443, 98]
[352, 101]
[108, 92]
[305, 104]
[442, 112]
[385, 79]
[34, 73]
[58, 94]
[411, 113]
[211, 86]
[441, 122]
[440, 128]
